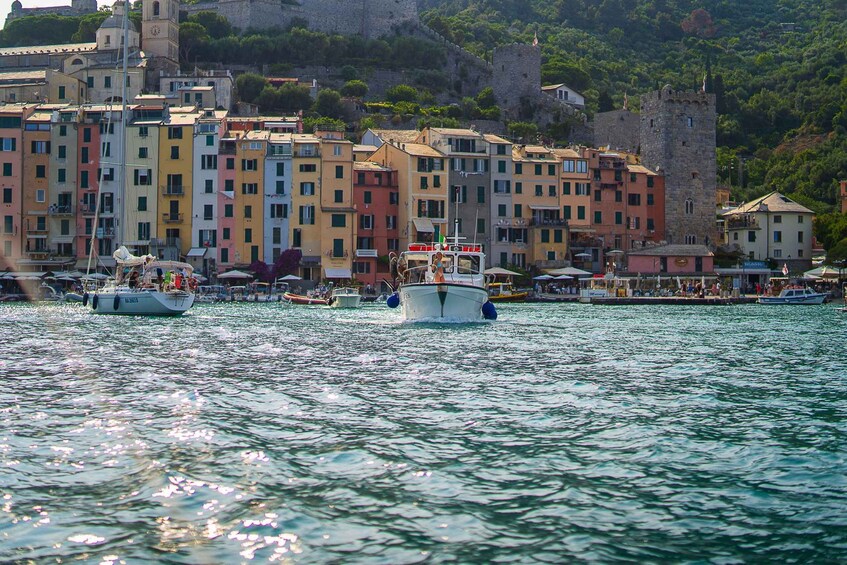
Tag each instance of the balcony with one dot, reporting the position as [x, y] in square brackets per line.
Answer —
[313, 153]
[742, 223]
[173, 190]
[87, 209]
[610, 185]
[555, 222]
[106, 232]
[166, 242]
[366, 253]
[37, 251]
[36, 230]
[617, 164]
[226, 150]
[57, 210]
[172, 218]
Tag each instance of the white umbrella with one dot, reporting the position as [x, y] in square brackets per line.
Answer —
[563, 278]
[615, 252]
[289, 278]
[584, 255]
[542, 278]
[500, 271]
[95, 277]
[235, 274]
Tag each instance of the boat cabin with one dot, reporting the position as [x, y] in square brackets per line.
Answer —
[461, 264]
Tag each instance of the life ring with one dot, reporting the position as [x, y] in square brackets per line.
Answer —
[94, 302]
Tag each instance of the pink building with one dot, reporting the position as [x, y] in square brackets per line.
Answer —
[376, 198]
[676, 260]
[11, 202]
[226, 202]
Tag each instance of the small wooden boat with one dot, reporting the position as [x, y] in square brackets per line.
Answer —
[292, 298]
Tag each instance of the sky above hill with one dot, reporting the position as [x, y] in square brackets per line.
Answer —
[6, 5]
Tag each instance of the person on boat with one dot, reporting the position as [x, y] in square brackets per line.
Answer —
[132, 281]
[438, 268]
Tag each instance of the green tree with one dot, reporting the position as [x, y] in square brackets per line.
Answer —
[401, 93]
[485, 98]
[217, 25]
[605, 103]
[328, 104]
[354, 89]
[192, 36]
[249, 85]
[294, 97]
[526, 132]
[88, 25]
[40, 30]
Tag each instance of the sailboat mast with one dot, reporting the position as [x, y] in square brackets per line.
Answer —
[122, 144]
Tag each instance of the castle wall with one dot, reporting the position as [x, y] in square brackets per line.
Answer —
[618, 129]
[516, 74]
[677, 133]
[369, 18]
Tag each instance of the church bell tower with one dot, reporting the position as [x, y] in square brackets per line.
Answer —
[160, 34]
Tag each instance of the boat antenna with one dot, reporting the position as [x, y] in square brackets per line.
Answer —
[456, 217]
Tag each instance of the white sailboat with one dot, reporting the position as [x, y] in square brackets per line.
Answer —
[142, 285]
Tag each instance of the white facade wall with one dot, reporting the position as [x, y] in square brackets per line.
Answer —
[111, 219]
[142, 174]
[204, 212]
[499, 198]
[278, 167]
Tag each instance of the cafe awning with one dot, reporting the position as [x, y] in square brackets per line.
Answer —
[197, 252]
[537, 207]
[423, 225]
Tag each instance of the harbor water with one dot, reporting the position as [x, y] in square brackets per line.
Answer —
[559, 433]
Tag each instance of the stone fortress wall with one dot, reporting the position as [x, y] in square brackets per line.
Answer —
[677, 137]
[369, 18]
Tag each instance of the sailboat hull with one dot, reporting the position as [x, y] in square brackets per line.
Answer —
[442, 302]
[142, 302]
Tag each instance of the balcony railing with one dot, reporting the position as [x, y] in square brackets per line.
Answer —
[166, 242]
[610, 185]
[548, 222]
[742, 224]
[36, 229]
[172, 218]
[87, 210]
[57, 210]
[37, 250]
[366, 253]
[612, 164]
[307, 153]
[173, 190]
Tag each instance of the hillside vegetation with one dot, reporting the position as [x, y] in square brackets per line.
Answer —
[777, 68]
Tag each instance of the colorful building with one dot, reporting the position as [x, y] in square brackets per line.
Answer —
[376, 198]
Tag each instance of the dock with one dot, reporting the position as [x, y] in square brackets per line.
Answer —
[679, 300]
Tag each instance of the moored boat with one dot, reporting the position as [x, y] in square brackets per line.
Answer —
[795, 295]
[292, 298]
[505, 292]
[345, 297]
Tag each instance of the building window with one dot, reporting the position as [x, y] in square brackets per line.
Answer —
[142, 203]
[226, 233]
[545, 236]
[777, 253]
[41, 171]
[518, 211]
[367, 196]
[634, 199]
[690, 121]
[598, 217]
[598, 196]
[649, 182]
[249, 188]
[40, 195]
[566, 212]
[480, 194]
[339, 220]
[799, 237]
[107, 80]
[501, 210]
[210, 186]
[580, 212]
[248, 211]
[339, 196]
[224, 255]
[518, 188]
[230, 163]
[142, 152]
[777, 237]
[307, 189]
[296, 237]
[280, 187]
[308, 168]
[618, 196]
[618, 218]
[339, 171]
[249, 164]
[338, 248]
[248, 235]
[777, 219]
[208, 212]
[751, 236]
[174, 152]
[228, 210]
[566, 188]
[174, 132]
[689, 206]
[209, 162]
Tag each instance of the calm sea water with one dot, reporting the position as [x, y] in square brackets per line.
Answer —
[559, 433]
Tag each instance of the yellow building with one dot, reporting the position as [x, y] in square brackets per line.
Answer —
[337, 214]
[540, 234]
[250, 152]
[305, 204]
[176, 149]
[63, 183]
[142, 178]
[36, 153]
[575, 203]
[422, 183]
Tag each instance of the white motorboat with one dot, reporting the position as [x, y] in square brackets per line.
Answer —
[440, 282]
[345, 297]
[796, 295]
[150, 287]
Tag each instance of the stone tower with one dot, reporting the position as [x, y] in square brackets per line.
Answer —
[160, 36]
[677, 134]
[516, 75]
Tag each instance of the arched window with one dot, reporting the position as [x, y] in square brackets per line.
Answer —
[155, 8]
[689, 206]
[690, 239]
[76, 61]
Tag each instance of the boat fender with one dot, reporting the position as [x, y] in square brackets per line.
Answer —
[94, 302]
[330, 300]
[393, 301]
[489, 312]
[117, 302]
[85, 299]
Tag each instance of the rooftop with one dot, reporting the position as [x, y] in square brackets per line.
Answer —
[773, 202]
[674, 250]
